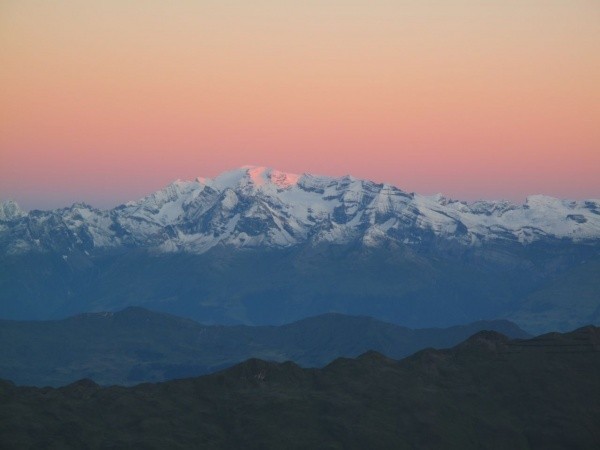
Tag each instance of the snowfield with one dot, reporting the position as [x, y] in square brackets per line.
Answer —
[261, 207]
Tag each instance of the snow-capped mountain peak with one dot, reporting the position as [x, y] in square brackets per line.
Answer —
[10, 210]
[255, 206]
[255, 176]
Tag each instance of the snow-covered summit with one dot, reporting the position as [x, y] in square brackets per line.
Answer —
[253, 177]
[261, 207]
[10, 210]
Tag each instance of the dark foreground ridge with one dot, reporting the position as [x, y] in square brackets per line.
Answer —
[487, 392]
[136, 345]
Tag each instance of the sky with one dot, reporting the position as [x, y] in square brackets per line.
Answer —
[107, 101]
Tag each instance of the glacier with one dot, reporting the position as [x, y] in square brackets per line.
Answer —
[255, 207]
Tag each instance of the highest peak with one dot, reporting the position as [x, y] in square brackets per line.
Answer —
[257, 176]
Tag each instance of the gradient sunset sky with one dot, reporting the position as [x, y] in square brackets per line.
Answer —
[107, 101]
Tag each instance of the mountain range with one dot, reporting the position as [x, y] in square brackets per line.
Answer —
[261, 207]
[136, 345]
[487, 392]
[259, 246]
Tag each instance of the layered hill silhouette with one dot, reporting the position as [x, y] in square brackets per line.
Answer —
[137, 345]
[487, 392]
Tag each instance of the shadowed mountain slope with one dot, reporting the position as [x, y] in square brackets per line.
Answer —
[487, 392]
[137, 345]
[256, 246]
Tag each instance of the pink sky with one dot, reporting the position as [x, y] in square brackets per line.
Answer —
[105, 102]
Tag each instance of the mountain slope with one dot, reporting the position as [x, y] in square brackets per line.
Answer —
[488, 392]
[257, 246]
[257, 287]
[260, 207]
[562, 302]
[138, 345]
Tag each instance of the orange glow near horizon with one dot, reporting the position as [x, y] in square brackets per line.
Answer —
[104, 102]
